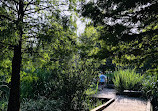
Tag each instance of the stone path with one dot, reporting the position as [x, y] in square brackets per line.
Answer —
[122, 103]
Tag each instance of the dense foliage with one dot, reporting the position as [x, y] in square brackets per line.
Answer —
[127, 80]
[64, 86]
[150, 89]
[129, 34]
[38, 36]
[46, 66]
[117, 19]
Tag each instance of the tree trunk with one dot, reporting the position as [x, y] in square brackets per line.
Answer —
[14, 97]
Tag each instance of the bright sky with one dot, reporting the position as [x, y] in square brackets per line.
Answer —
[80, 26]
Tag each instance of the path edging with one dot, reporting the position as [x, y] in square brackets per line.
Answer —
[103, 106]
[149, 106]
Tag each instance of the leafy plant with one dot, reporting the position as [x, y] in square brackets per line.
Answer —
[4, 91]
[66, 83]
[110, 76]
[41, 104]
[127, 80]
[4, 94]
[150, 90]
[93, 89]
[94, 102]
[3, 105]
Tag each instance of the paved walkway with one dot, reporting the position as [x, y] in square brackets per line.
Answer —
[122, 103]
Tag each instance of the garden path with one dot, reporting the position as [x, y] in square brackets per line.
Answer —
[122, 103]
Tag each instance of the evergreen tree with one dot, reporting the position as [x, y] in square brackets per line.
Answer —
[118, 19]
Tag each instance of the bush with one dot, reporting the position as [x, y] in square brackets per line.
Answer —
[39, 82]
[3, 105]
[41, 104]
[67, 84]
[94, 102]
[72, 86]
[4, 94]
[127, 80]
[27, 85]
[110, 76]
[92, 90]
[150, 90]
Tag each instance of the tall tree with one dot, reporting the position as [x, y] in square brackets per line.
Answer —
[24, 22]
[10, 8]
[118, 19]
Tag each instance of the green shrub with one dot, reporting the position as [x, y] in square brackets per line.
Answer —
[4, 94]
[127, 80]
[110, 76]
[40, 82]
[3, 105]
[72, 86]
[41, 104]
[4, 91]
[93, 89]
[26, 87]
[150, 90]
[93, 103]
[67, 84]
